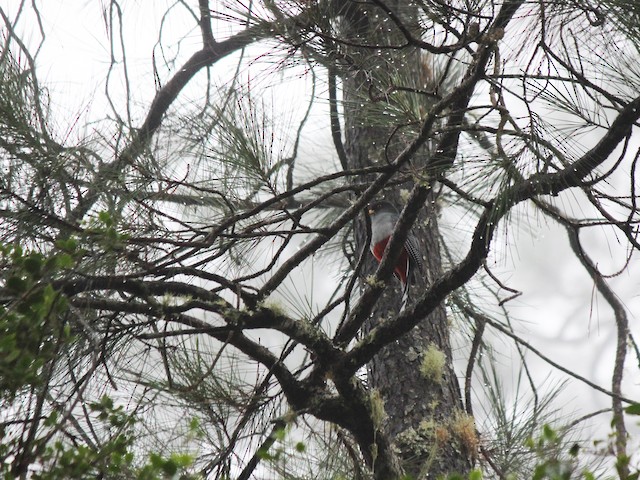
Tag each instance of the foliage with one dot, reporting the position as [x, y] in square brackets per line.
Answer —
[32, 328]
[113, 459]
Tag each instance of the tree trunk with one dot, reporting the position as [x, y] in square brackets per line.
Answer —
[424, 409]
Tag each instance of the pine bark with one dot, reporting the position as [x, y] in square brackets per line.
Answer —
[424, 414]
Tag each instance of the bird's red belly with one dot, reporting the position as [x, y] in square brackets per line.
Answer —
[401, 265]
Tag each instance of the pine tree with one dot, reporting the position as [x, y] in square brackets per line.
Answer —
[161, 308]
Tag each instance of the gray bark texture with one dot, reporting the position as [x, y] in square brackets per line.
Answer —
[424, 414]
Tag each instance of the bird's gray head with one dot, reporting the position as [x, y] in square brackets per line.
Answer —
[381, 206]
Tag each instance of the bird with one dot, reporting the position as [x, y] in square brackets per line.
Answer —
[384, 217]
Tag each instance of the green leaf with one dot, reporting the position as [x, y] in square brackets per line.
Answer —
[633, 409]
[182, 459]
[573, 451]
[17, 252]
[105, 218]
[263, 454]
[12, 355]
[194, 424]
[539, 473]
[64, 260]
[69, 245]
[52, 419]
[170, 467]
[549, 434]
[279, 434]
[156, 460]
[33, 265]
[17, 284]
[475, 475]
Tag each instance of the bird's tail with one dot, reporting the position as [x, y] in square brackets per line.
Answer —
[405, 296]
